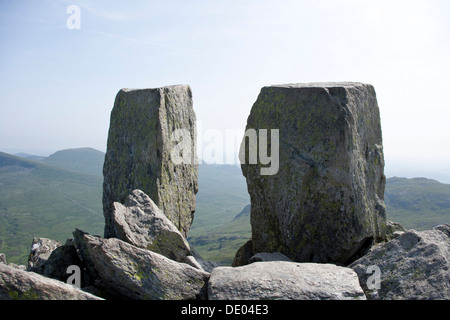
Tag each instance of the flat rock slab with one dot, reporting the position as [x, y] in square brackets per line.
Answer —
[285, 281]
[17, 284]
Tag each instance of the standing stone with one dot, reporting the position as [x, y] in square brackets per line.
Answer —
[140, 149]
[325, 203]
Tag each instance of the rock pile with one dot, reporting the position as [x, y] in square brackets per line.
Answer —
[323, 208]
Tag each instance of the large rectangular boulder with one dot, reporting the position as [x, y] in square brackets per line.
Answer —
[146, 130]
[325, 202]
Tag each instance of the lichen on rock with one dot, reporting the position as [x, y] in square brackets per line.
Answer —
[138, 156]
[325, 204]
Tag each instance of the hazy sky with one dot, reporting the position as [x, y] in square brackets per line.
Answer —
[57, 85]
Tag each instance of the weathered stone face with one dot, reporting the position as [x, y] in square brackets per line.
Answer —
[140, 148]
[325, 203]
[282, 280]
[140, 274]
[414, 266]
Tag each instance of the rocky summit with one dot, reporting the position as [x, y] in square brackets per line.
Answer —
[319, 229]
[325, 203]
[140, 148]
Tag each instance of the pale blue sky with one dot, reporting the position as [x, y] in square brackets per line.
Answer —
[57, 86]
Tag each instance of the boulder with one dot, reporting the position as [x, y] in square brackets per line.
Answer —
[394, 229]
[445, 228]
[41, 249]
[243, 255]
[149, 130]
[415, 265]
[17, 284]
[198, 262]
[3, 258]
[59, 261]
[135, 273]
[141, 223]
[283, 280]
[325, 202]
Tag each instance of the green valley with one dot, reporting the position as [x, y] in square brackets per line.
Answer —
[51, 197]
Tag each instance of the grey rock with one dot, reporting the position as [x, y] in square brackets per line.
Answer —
[22, 285]
[445, 228]
[83, 253]
[3, 258]
[59, 261]
[394, 229]
[41, 249]
[134, 273]
[198, 262]
[269, 256]
[139, 153]
[243, 255]
[284, 281]
[413, 266]
[325, 203]
[141, 223]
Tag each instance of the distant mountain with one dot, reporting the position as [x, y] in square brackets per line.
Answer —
[243, 214]
[29, 156]
[417, 203]
[221, 196]
[85, 160]
[37, 199]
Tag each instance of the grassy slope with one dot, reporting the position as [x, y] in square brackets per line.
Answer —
[222, 195]
[40, 200]
[37, 199]
[417, 203]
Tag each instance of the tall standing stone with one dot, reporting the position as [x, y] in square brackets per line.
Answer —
[143, 137]
[325, 203]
